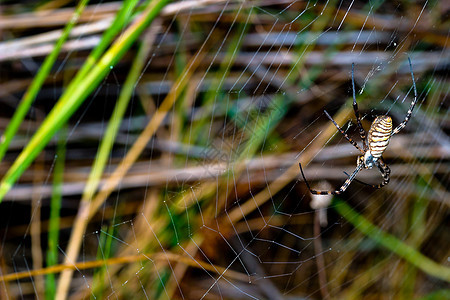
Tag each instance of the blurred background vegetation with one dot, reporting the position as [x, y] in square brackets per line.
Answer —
[150, 149]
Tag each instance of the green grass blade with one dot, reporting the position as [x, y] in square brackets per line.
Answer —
[437, 295]
[390, 242]
[122, 19]
[37, 83]
[104, 252]
[55, 207]
[218, 81]
[116, 119]
[75, 95]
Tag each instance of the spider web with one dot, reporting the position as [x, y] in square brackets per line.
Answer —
[214, 208]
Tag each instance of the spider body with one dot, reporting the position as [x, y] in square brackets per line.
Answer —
[380, 133]
[378, 139]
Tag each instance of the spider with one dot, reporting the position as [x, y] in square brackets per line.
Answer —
[380, 133]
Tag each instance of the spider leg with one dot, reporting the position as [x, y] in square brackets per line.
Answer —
[343, 132]
[413, 103]
[362, 132]
[359, 181]
[337, 192]
[384, 170]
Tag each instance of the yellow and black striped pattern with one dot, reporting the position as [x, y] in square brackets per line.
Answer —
[379, 135]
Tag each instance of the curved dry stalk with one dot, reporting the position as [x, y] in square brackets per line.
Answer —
[89, 208]
[262, 197]
[163, 256]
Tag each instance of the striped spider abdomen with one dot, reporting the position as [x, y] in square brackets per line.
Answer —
[379, 135]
